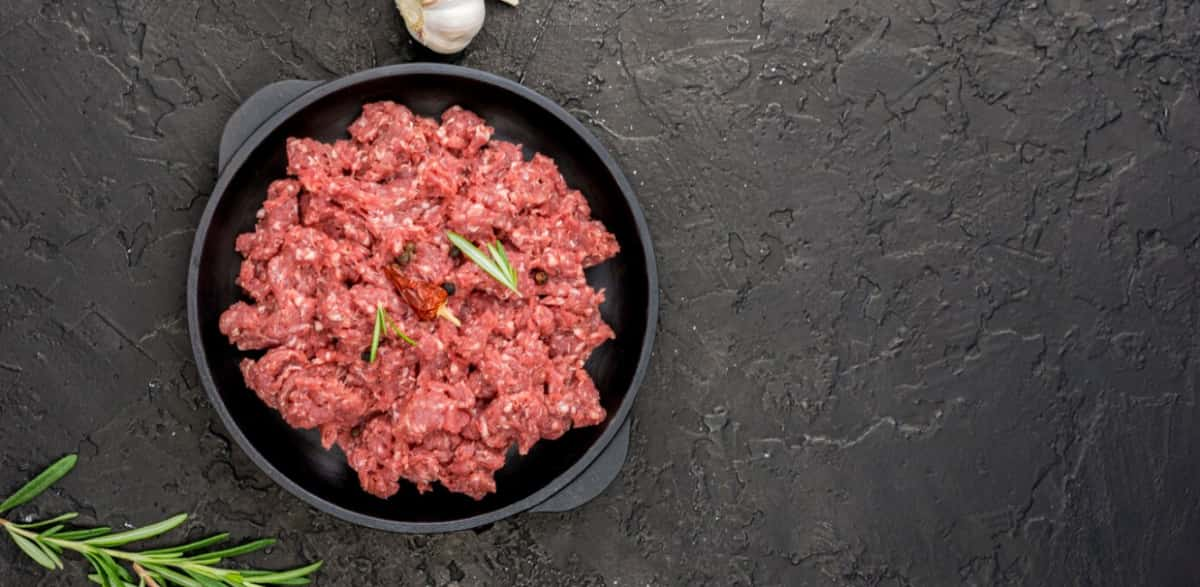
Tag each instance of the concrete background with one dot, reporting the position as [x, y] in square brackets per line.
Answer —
[929, 268]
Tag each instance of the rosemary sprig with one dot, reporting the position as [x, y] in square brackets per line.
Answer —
[182, 566]
[383, 326]
[496, 265]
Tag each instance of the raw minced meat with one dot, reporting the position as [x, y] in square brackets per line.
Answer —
[448, 409]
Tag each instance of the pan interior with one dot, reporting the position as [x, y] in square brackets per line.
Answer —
[298, 455]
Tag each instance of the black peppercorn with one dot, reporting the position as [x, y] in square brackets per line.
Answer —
[449, 287]
[455, 253]
[540, 277]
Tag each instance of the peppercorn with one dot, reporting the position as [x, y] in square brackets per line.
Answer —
[540, 277]
[406, 256]
[449, 287]
[455, 253]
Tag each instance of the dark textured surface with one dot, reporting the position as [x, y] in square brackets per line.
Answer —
[929, 280]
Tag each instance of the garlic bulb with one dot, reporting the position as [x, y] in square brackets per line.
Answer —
[445, 26]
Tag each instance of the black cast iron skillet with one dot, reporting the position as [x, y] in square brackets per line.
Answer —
[555, 475]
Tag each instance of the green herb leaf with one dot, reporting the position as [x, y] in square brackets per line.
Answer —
[84, 534]
[378, 333]
[137, 534]
[123, 574]
[51, 552]
[36, 552]
[216, 555]
[496, 265]
[391, 325]
[498, 254]
[110, 573]
[40, 483]
[97, 565]
[173, 576]
[197, 545]
[99, 580]
[205, 581]
[51, 521]
[296, 581]
[276, 578]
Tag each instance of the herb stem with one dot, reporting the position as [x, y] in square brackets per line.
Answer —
[145, 577]
[82, 547]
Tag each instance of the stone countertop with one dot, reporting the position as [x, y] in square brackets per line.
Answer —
[929, 280]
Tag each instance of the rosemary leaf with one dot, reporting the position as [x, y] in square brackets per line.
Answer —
[99, 580]
[39, 484]
[205, 581]
[390, 324]
[35, 552]
[122, 573]
[173, 576]
[216, 555]
[54, 520]
[197, 545]
[121, 538]
[498, 253]
[84, 534]
[296, 581]
[102, 573]
[280, 578]
[378, 332]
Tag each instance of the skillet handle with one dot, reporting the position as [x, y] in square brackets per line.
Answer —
[256, 110]
[595, 479]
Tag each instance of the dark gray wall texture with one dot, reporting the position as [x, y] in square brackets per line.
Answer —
[929, 281]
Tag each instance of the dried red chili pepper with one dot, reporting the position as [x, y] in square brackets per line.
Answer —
[428, 300]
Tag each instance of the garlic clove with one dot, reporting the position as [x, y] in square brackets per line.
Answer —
[444, 26]
[413, 14]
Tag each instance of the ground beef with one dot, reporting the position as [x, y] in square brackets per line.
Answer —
[448, 409]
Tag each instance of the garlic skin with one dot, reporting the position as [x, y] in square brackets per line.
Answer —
[444, 26]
